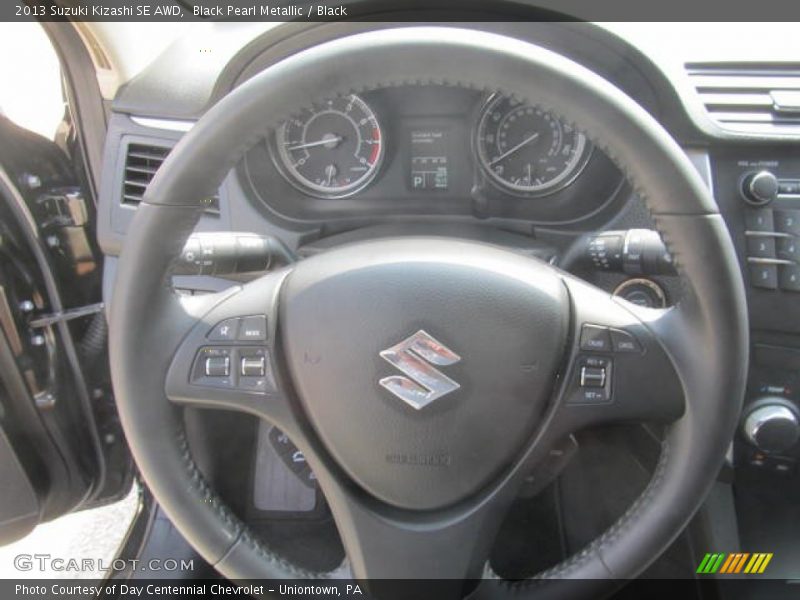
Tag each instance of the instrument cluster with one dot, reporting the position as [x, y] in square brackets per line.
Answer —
[423, 149]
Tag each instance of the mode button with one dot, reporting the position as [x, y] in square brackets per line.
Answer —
[253, 329]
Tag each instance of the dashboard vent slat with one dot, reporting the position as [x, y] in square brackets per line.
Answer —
[745, 98]
[142, 162]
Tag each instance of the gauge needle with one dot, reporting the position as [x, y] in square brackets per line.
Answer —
[329, 141]
[330, 171]
[524, 142]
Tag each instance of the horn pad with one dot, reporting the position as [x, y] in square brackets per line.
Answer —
[423, 364]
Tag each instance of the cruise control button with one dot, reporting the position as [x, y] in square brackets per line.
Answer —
[253, 329]
[594, 337]
[224, 331]
[593, 377]
[593, 396]
[622, 341]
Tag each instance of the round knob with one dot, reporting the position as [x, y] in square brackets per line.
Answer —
[772, 427]
[760, 188]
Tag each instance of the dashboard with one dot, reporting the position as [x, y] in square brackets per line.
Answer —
[429, 149]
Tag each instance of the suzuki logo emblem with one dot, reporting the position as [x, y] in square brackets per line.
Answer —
[415, 356]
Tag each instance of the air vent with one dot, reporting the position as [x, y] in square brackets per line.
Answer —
[761, 99]
[141, 163]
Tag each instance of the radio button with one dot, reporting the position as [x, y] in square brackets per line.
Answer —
[787, 221]
[764, 276]
[759, 219]
[761, 247]
[790, 278]
[788, 249]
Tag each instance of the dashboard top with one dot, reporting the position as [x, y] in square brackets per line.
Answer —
[643, 59]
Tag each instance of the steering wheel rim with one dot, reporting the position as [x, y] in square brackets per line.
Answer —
[148, 322]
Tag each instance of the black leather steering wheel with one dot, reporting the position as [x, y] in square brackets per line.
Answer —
[420, 492]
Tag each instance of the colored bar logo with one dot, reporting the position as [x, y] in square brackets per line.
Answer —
[735, 563]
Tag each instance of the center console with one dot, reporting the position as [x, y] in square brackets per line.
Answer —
[758, 190]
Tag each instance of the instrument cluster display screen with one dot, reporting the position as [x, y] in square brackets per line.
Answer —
[430, 159]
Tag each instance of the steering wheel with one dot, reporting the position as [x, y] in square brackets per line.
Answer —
[424, 377]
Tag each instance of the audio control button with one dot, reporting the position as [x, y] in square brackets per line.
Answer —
[759, 219]
[788, 249]
[761, 247]
[787, 221]
[253, 329]
[253, 366]
[224, 331]
[764, 276]
[760, 188]
[790, 278]
[218, 366]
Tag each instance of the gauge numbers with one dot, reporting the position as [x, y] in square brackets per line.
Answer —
[526, 150]
[332, 150]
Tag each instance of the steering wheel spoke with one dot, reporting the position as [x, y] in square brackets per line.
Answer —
[382, 542]
[618, 368]
[227, 358]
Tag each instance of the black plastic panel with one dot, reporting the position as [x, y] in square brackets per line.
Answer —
[773, 304]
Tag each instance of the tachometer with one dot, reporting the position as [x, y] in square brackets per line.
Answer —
[332, 150]
[527, 150]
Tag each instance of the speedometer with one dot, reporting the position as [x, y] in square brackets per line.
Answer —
[332, 150]
[527, 150]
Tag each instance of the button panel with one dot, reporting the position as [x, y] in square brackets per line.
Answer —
[213, 367]
[597, 338]
[773, 245]
[592, 379]
[243, 329]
